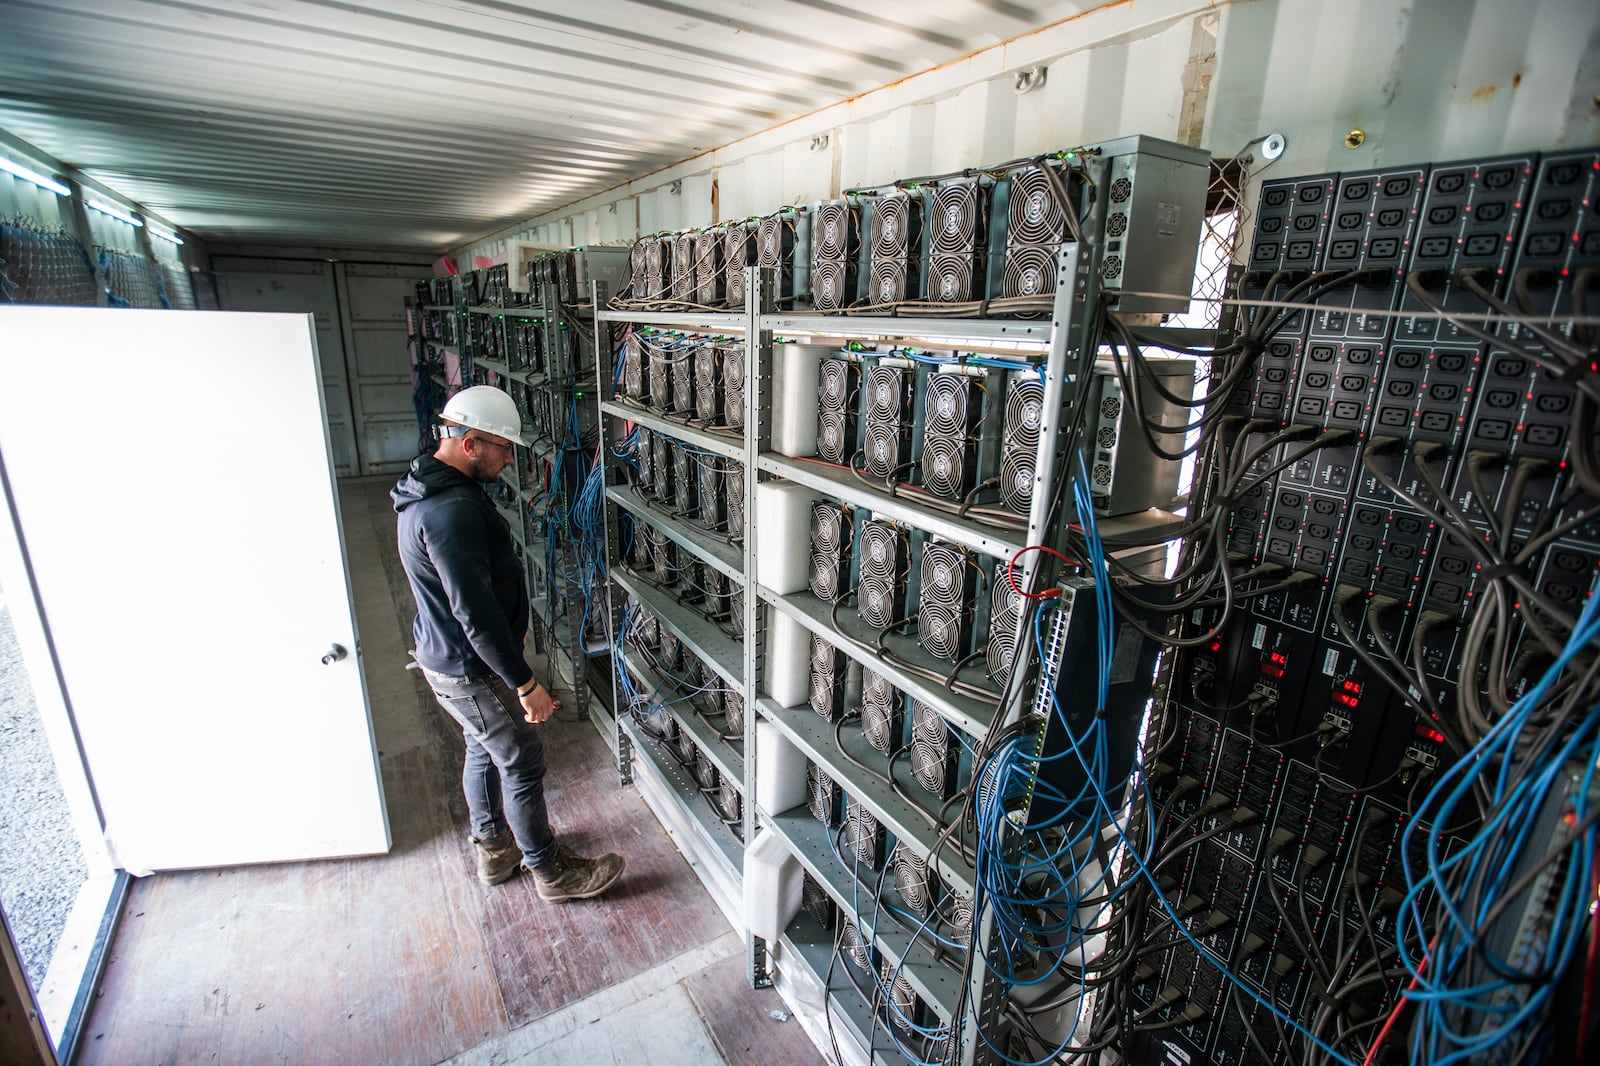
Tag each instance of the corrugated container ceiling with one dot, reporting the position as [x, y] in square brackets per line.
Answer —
[423, 123]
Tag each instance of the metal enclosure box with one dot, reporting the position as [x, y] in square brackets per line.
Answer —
[1157, 198]
[1125, 476]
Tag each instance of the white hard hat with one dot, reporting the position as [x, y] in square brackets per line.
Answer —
[486, 408]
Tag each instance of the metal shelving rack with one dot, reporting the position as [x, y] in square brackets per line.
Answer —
[529, 348]
[712, 848]
[1060, 340]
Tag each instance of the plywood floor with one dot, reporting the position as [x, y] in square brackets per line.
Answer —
[405, 958]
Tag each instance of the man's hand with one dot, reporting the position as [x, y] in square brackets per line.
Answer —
[539, 705]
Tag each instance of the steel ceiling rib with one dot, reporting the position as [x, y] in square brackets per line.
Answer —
[214, 74]
[470, 50]
[424, 123]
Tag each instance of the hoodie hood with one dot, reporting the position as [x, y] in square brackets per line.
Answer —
[427, 477]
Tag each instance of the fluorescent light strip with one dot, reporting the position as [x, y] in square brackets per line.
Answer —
[157, 231]
[116, 213]
[34, 176]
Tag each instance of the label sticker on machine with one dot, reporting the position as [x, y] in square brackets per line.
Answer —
[1259, 637]
[1330, 662]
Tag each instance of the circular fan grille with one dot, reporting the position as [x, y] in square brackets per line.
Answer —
[950, 278]
[1036, 215]
[888, 281]
[821, 799]
[911, 881]
[822, 695]
[1024, 414]
[928, 765]
[955, 218]
[824, 577]
[771, 243]
[902, 1000]
[1110, 407]
[944, 466]
[1030, 271]
[683, 258]
[891, 227]
[637, 257]
[958, 913]
[879, 552]
[671, 648]
[942, 571]
[1121, 189]
[733, 369]
[705, 771]
[1117, 224]
[733, 707]
[827, 284]
[939, 630]
[735, 291]
[835, 384]
[816, 901]
[1016, 480]
[877, 713]
[1102, 474]
[1111, 266]
[947, 404]
[1106, 438]
[926, 724]
[687, 750]
[861, 834]
[1000, 654]
[827, 527]
[852, 945]
[732, 802]
[877, 604]
[830, 436]
[654, 257]
[883, 391]
[680, 464]
[710, 495]
[659, 382]
[735, 246]
[734, 497]
[822, 656]
[883, 450]
[831, 230]
[633, 369]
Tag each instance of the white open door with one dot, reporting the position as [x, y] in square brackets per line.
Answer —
[171, 484]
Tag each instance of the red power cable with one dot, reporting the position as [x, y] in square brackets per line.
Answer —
[1394, 1015]
[1011, 574]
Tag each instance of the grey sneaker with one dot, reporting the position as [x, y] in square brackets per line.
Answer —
[571, 876]
[498, 858]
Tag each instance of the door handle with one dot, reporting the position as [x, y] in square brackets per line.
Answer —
[335, 653]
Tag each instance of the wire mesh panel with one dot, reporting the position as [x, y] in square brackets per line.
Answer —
[131, 280]
[42, 267]
[176, 286]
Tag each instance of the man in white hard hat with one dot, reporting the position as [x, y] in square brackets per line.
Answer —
[472, 619]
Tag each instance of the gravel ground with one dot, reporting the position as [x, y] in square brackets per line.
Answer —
[41, 865]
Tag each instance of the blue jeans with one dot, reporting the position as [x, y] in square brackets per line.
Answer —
[503, 775]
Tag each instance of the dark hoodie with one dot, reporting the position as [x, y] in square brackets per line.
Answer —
[472, 599]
